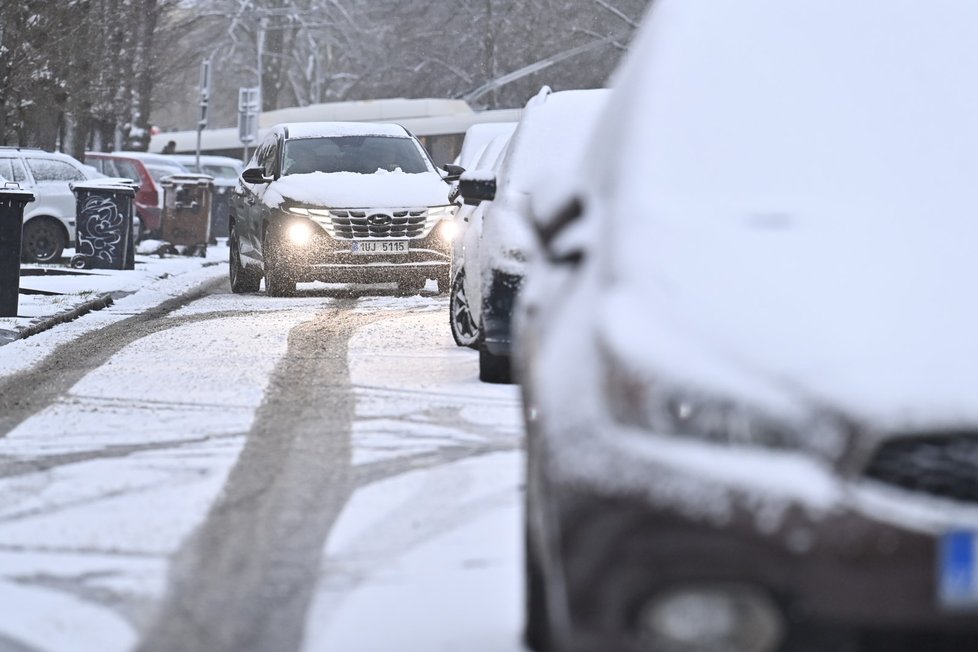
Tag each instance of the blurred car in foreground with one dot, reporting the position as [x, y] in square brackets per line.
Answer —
[748, 343]
[553, 129]
[463, 320]
[49, 220]
[340, 203]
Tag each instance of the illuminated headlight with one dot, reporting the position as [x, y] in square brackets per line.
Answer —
[447, 229]
[299, 233]
[712, 619]
[663, 408]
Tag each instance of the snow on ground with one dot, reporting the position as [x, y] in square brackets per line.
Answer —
[160, 280]
[428, 559]
[84, 540]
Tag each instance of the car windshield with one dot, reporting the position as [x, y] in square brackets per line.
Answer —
[358, 154]
[159, 172]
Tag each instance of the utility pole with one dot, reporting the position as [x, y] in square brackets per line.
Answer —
[262, 26]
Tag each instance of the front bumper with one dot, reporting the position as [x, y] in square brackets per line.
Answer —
[332, 260]
[843, 578]
[498, 301]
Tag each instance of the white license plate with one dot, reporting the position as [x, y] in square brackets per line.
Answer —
[958, 581]
[379, 247]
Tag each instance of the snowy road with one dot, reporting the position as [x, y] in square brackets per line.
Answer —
[246, 473]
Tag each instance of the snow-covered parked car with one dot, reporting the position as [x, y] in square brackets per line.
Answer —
[463, 320]
[748, 346]
[49, 220]
[340, 202]
[552, 131]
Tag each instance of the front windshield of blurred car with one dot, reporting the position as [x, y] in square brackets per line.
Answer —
[357, 154]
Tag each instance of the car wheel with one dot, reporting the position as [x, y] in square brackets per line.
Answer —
[536, 632]
[494, 368]
[279, 279]
[242, 278]
[465, 330]
[43, 242]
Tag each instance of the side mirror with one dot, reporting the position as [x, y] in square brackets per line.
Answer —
[477, 186]
[549, 230]
[453, 172]
[255, 175]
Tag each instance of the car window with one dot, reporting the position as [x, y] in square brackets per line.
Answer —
[127, 170]
[5, 170]
[359, 154]
[271, 158]
[50, 170]
[20, 174]
[220, 171]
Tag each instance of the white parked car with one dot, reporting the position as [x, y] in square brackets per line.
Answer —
[224, 169]
[463, 319]
[551, 133]
[748, 342]
[49, 220]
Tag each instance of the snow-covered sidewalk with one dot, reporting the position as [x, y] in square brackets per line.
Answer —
[52, 291]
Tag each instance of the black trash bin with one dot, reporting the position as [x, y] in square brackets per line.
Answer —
[186, 216]
[220, 212]
[12, 202]
[104, 236]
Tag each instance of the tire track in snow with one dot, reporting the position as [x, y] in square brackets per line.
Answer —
[243, 582]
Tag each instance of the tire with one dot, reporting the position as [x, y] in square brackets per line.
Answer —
[465, 330]
[494, 368]
[279, 279]
[536, 626]
[242, 279]
[44, 241]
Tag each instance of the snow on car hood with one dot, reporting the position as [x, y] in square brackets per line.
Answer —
[351, 190]
[870, 316]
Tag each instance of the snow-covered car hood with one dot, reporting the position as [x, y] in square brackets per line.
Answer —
[873, 317]
[351, 190]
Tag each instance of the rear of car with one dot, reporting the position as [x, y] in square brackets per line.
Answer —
[341, 203]
[49, 220]
[748, 341]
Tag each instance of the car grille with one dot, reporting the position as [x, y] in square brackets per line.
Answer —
[373, 224]
[943, 465]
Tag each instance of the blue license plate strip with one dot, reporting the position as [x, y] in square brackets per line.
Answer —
[958, 571]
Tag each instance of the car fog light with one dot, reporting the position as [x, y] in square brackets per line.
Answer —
[299, 234]
[712, 619]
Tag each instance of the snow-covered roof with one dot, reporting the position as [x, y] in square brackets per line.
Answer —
[335, 129]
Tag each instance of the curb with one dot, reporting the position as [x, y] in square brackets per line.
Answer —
[98, 303]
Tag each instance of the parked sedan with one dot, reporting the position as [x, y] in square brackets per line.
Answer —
[552, 131]
[749, 344]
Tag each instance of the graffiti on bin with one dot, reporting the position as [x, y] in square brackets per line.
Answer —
[100, 229]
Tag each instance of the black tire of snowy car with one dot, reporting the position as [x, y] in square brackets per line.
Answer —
[43, 241]
[242, 278]
[279, 280]
[460, 317]
[536, 628]
[494, 368]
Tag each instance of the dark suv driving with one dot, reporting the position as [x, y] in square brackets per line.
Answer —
[343, 203]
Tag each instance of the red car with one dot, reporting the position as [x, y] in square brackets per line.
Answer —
[148, 196]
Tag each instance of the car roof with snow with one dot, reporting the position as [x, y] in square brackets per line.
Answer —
[294, 130]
